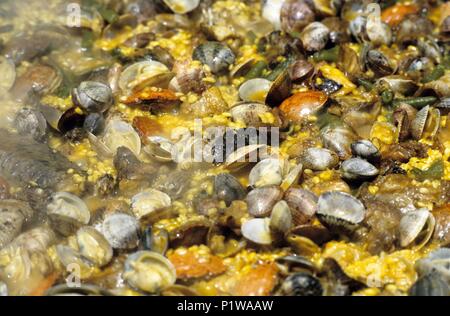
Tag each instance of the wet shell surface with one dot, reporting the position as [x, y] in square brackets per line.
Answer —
[416, 226]
[149, 271]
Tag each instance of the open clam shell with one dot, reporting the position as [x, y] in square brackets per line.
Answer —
[416, 227]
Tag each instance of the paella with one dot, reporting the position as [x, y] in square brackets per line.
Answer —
[225, 147]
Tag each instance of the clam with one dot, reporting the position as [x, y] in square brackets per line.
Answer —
[303, 205]
[296, 15]
[13, 215]
[430, 285]
[292, 177]
[302, 246]
[340, 210]
[31, 122]
[159, 148]
[338, 138]
[120, 230]
[260, 201]
[255, 90]
[366, 150]
[94, 123]
[378, 32]
[68, 212]
[228, 188]
[82, 290]
[318, 234]
[301, 284]
[279, 90]
[300, 70]
[155, 240]
[398, 84]
[303, 104]
[250, 113]
[319, 159]
[149, 272]
[379, 63]
[271, 11]
[403, 116]
[315, 36]
[146, 203]
[143, 74]
[69, 257]
[281, 218]
[191, 232]
[8, 71]
[93, 246]
[437, 262]
[120, 134]
[217, 56]
[267, 172]
[243, 156]
[93, 96]
[357, 169]
[416, 227]
[426, 123]
[257, 230]
[182, 6]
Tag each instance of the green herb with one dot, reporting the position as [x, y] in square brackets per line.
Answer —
[435, 172]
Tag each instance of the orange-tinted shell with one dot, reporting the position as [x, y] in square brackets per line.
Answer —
[260, 281]
[302, 104]
[395, 14]
[146, 127]
[190, 264]
[151, 96]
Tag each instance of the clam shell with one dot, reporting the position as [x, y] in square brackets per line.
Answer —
[254, 90]
[93, 246]
[182, 6]
[121, 231]
[257, 230]
[319, 159]
[249, 113]
[413, 224]
[144, 73]
[149, 201]
[267, 172]
[68, 212]
[339, 209]
[149, 271]
[260, 201]
[357, 169]
[303, 205]
[281, 218]
[118, 134]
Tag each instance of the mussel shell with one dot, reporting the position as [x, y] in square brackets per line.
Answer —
[260, 201]
[413, 224]
[340, 210]
[319, 159]
[228, 188]
[357, 169]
